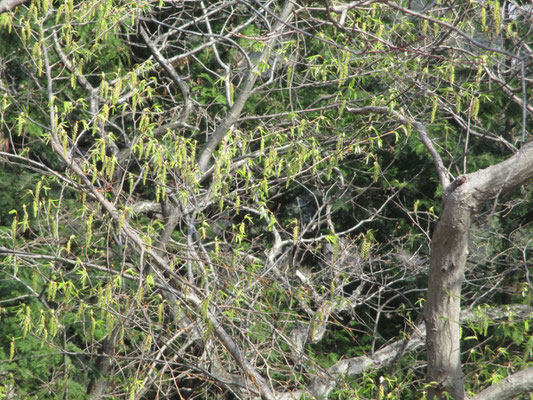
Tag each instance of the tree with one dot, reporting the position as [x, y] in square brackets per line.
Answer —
[448, 260]
[6, 5]
[218, 198]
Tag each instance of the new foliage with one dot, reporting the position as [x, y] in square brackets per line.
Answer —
[245, 199]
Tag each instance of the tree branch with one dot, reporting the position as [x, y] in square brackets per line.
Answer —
[509, 387]
[235, 111]
[449, 253]
[355, 366]
[422, 135]
[504, 176]
[189, 294]
[7, 5]
[509, 91]
[451, 27]
[171, 71]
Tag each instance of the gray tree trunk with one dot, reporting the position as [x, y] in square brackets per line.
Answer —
[7, 5]
[447, 267]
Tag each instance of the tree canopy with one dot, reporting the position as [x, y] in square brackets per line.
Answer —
[244, 199]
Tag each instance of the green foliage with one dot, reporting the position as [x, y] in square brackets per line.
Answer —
[37, 364]
[309, 216]
[499, 346]
[15, 189]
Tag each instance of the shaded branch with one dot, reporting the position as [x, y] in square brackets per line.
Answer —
[509, 91]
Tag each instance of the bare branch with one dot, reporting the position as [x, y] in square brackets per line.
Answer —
[171, 71]
[510, 91]
[451, 28]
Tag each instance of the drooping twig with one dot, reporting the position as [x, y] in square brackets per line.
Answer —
[422, 135]
[235, 111]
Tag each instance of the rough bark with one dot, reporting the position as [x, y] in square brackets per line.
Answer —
[7, 5]
[447, 267]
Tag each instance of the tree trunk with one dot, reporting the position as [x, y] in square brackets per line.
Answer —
[7, 5]
[448, 260]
